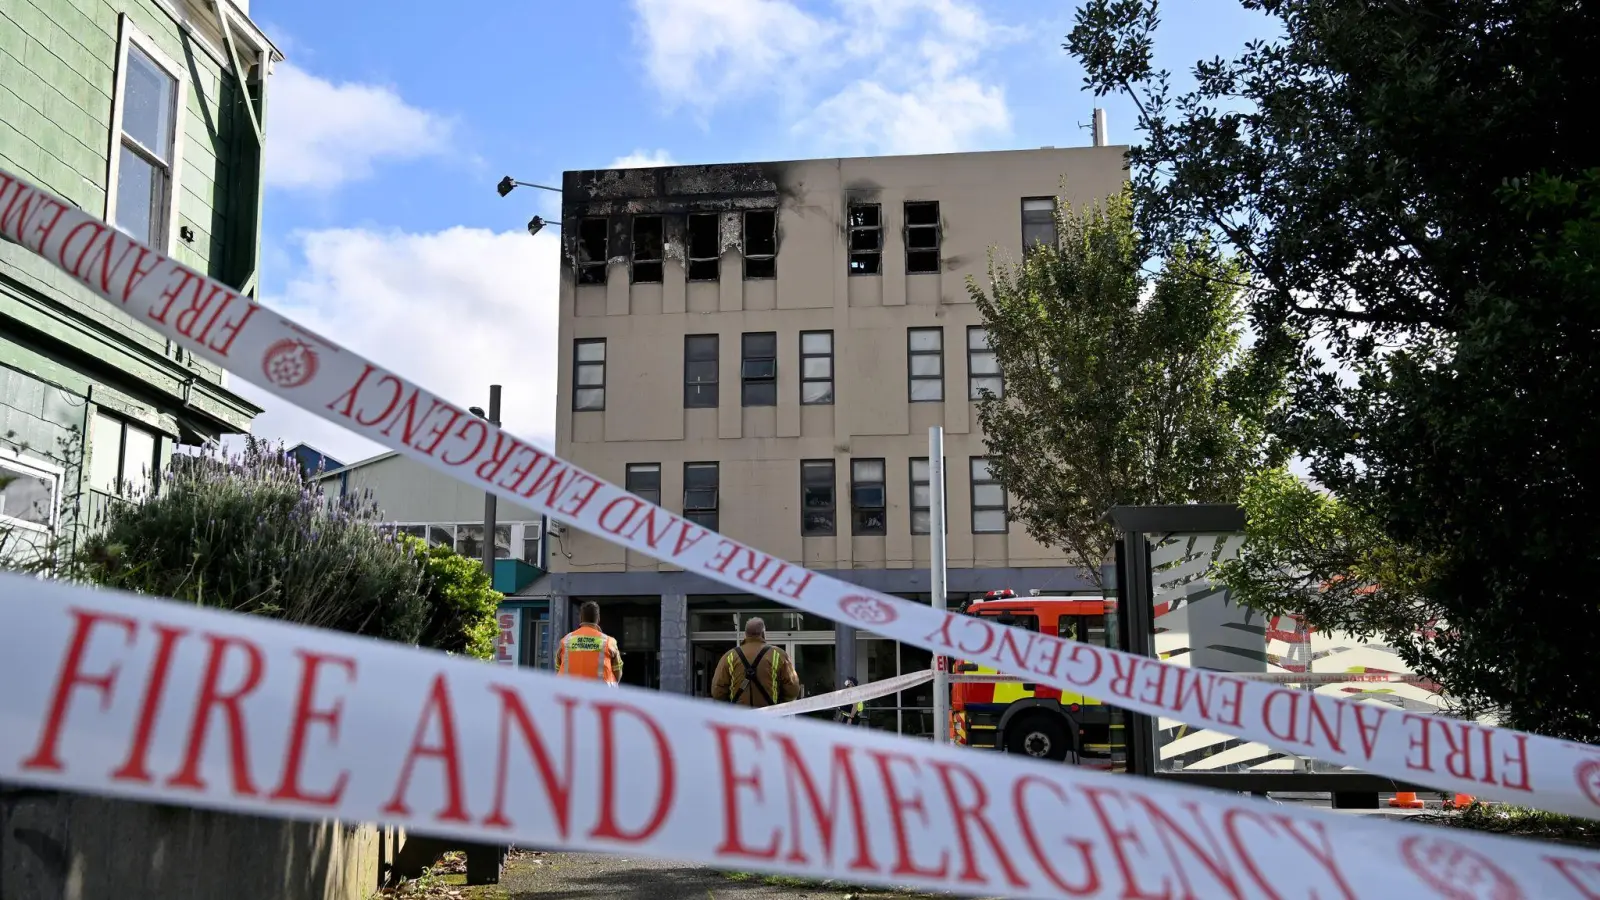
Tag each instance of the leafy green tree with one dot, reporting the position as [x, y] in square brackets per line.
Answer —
[1413, 186]
[249, 533]
[461, 601]
[1119, 387]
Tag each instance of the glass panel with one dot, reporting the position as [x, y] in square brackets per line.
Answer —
[988, 495]
[592, 374]
[469, 541]
[927, 390]
[443, 535]
[416, 531]
[980, 470]
[816, 342]
[867, 469]
[926, 338]
[26, 496]
[140, 189]
[701, 347]
[868, 496]
[701, 372]
[147, 104]
[985, 363]
[989, 521]
[700, 476]
[817, 367]
[762, 344]
[138, 460]
[978, 338]
[814, 664]
[919, 470]
[816, 392]
[590, 398]
[1042, 233]
[987, 383]
[817, 496]
[105, 453]
[921, 521]
[700, 499]
[712, 621]
[925, 365]
[592, 351]
[1039, 204]
[921, 495]
[817, 524]
[760, 393]
[760, 368]
[643, 478]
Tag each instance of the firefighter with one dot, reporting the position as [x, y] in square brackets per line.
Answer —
[587, 652]
[755, 673]
[851, 713]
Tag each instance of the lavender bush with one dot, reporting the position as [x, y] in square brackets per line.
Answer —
[248, 532]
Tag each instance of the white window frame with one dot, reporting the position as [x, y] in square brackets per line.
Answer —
[129, 35]
[520, 531]
[31, 466]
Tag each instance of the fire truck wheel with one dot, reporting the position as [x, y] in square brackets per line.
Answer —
[1039, 735]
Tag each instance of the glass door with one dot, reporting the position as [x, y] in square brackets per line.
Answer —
[814, 665]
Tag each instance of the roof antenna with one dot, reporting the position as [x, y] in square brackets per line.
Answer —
[1097, 126]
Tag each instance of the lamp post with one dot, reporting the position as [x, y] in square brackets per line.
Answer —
[937, 579]
[509, 184]
[485, 861]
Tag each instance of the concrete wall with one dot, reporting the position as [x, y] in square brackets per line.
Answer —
[56, 846]
[759, 449]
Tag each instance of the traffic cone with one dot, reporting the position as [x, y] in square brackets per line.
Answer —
[1405, 800]
[1461, 801]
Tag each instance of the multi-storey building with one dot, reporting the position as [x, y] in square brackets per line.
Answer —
[148, 114]
[763, 347]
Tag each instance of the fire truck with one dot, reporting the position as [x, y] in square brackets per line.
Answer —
[1038, 720]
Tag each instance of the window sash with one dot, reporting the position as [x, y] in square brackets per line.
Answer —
[644, 481]
[864, 241]
[983, 365]
[989, 501]
[816, 368]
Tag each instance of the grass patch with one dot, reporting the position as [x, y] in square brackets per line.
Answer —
[1518, 821]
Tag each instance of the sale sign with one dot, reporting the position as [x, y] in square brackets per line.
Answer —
[507, 645]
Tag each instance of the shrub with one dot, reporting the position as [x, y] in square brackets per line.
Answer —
[461, 601]
[248, 533]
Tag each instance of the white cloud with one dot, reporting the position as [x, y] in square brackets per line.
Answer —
[454, 311]
[875, 76]
[643, 159]
[321, 135]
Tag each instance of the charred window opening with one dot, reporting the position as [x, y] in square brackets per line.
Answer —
[761, 243]
[922, 236]
[866, 238]
[646, 249]
[593, 249]
[704, 251]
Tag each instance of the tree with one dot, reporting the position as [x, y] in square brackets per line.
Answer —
[461, 601]
[1414, 187]
[1119, 388]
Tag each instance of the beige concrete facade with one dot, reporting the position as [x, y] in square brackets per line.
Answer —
[759, 449]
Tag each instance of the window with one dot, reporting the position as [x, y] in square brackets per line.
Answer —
[983, 365]
[704, 250]
[589, 374]
[469, 541]
[646, 249]
[817, 504]
[145, 158]
[594, 240]
[27, 496]
[922, 236]
[866, 238]
[644, 481]
[122, 457]
[868, 497]
[925, 355]
[761, 243]
[699, 371]
[816, 367]
[1038, 222]
[1088, 629]
[988, 500]
[700, 494]
[922, 497]
[758, 369]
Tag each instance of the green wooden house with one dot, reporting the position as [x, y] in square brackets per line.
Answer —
[147, 113]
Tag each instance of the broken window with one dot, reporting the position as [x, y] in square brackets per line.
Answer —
[646, 249]
[703, 246]
[1038, 222]
[761, 243]
[866, 238]
[593, 249]
[922, 236]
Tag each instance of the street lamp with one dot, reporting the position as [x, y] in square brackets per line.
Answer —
[508, 184]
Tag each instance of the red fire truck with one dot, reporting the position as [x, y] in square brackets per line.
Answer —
[1032, 719]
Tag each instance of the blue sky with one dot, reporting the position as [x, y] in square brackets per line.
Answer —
[390, 123]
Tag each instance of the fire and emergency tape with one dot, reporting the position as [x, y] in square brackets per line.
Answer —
[294, 363]
[111, 693]
[1273, 677]
[872, 690]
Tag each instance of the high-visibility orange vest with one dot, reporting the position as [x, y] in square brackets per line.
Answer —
[587, 652]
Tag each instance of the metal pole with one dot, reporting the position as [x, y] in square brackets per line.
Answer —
[936, 557]
[489, 498]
